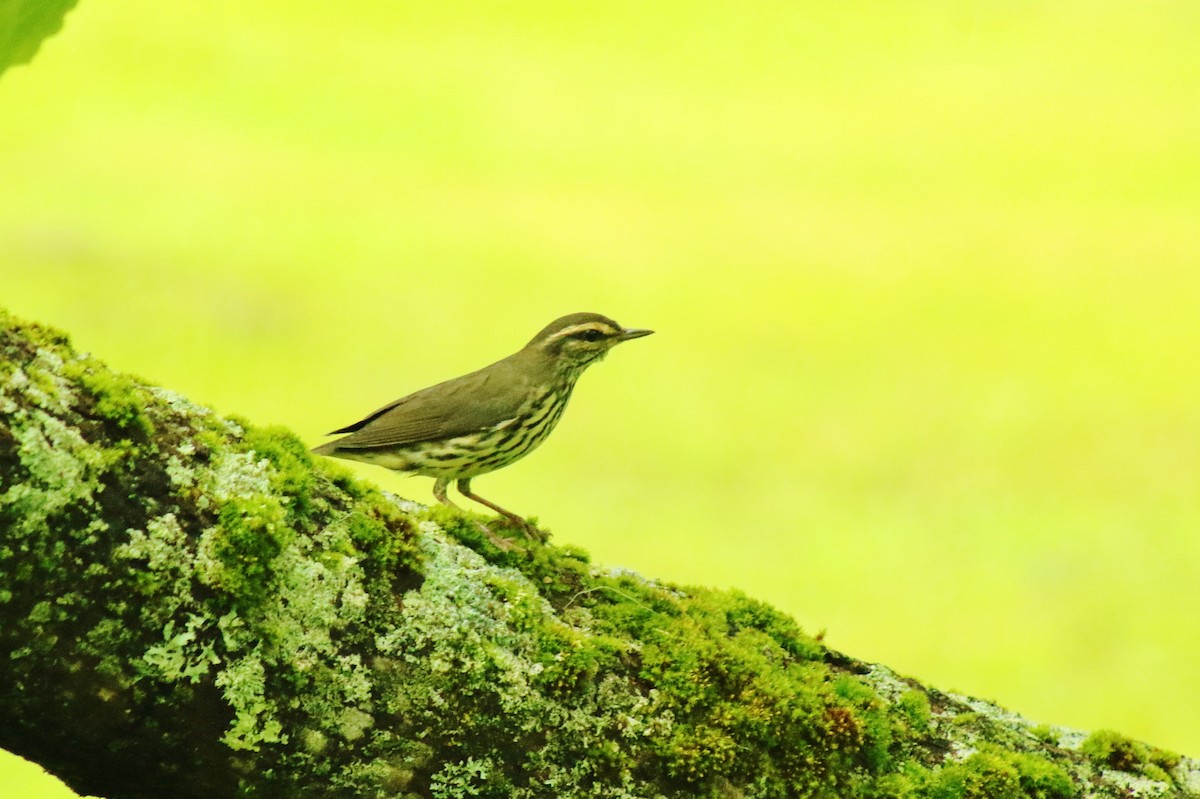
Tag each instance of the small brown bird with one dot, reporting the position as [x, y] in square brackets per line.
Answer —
[485, 420]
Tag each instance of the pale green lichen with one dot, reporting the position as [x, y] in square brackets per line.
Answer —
[40, 613]
[158, 545]
[479, 630]
[355, 723]
[41, 384]
[183, 655]
[233, 475]
[62, 470]
[243, 684]
[181, 475]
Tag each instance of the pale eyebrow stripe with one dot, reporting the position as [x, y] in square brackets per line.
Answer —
[578, 328]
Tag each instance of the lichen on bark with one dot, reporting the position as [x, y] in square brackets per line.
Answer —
[193, 606]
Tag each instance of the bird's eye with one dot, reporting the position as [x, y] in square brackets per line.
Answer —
[589, 335]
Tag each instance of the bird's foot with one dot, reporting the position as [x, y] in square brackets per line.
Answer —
[499, 541]
[531, 530]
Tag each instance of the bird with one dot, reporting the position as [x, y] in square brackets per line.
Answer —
[471, 425]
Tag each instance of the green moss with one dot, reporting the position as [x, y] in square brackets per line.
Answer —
[907, 783]
[1042, 779]
[1113, 750]
[383, 536]
[250, 534]
[1044, 733]
[292, 467]
[473, 530]
[1110, 749]
[736, 679]
[1165, 759]
[571, 661]
[993, 773]
[913, 706]
[116, 397]
[745, 613]
[17, 334]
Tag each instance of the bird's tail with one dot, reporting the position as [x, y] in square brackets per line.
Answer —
[330, 448]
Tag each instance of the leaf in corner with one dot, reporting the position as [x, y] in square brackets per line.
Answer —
[24, 24]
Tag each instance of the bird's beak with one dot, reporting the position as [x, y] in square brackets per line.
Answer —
[632, 332]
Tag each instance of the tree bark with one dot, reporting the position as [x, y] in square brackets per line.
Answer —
[190, 606]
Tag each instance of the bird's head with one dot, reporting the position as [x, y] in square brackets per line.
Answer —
[578, 340]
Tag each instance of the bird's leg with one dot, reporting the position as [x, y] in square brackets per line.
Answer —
[439, 491]
[464, 488]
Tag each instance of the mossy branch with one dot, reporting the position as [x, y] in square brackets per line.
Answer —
[190, 606]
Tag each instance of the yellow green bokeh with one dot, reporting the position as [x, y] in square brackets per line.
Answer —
[926, 278]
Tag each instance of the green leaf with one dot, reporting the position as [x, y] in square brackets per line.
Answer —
[24, 24]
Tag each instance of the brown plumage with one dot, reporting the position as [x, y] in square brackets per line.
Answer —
[485, 420]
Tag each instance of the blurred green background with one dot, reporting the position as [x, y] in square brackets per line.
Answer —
[925, 278]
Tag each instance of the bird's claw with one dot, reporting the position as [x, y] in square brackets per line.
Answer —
[505, 544]
[530, 529]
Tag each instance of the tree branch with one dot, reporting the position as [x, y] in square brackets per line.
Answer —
[192, 607]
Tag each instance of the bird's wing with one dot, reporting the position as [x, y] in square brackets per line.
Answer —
[456, 407]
